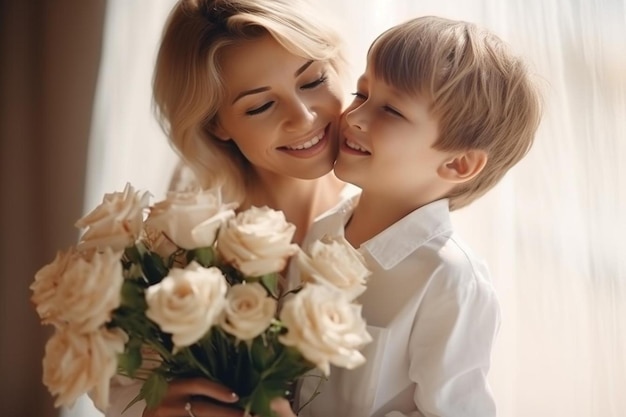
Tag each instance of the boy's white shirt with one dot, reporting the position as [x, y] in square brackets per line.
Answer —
[433, 314]
[124, 390]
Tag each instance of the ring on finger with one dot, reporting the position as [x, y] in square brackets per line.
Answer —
[189, 410]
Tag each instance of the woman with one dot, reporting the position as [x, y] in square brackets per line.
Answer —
[249, 93]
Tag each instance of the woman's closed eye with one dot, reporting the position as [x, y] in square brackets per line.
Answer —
[321, 80]
[260, 109]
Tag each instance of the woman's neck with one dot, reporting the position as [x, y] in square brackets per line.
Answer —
[301, 200]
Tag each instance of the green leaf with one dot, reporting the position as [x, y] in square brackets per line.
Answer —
[154, 389]
[204, 256]
[135, 400]
[133, 295]
[292, 365]
[270, 282]
[131, 359]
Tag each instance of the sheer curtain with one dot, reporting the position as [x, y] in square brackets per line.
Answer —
[550, 231]
[126, 143]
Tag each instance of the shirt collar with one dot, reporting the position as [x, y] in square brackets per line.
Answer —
[333, 221]
[394, 244]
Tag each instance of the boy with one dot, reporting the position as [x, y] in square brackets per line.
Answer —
[441, 113]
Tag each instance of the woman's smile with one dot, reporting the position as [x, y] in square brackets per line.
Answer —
[310, 146]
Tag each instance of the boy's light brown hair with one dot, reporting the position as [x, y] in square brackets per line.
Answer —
[482, 95]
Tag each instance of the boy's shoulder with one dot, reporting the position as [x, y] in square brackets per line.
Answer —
[420, 232]
[458, 263]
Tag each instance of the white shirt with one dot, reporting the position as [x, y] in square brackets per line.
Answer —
[433, 314]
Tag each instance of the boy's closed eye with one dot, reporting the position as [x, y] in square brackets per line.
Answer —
[359, 96]
[387, 108]
[393, 111]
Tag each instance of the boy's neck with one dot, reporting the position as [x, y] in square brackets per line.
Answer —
[301, 200]
[374, 214]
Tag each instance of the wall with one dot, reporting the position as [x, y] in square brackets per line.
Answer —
[49, 55]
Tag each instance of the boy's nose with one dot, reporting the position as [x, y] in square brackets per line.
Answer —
[355, 119]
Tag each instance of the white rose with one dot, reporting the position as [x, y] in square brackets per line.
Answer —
[116, 222]
[44, 287]
[89, 289]
[249, 311]
[333, 262]
[190, 219]
[257, 241]
[77, 363]
[187, 302]
[325, 327]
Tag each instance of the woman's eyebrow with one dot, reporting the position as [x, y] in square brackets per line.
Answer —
[262, 89]
[302, 68]
[248, 92]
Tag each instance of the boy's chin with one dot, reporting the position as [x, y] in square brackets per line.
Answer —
[343, 173]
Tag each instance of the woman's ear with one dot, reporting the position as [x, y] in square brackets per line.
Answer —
[464, 166]
[216, 129]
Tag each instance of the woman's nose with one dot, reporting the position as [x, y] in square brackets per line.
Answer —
[300, 116]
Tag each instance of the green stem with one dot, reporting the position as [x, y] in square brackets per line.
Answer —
[199, 364]
[316, 392]
[274, 365]
[165, 354]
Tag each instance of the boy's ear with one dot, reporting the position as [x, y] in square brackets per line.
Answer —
[464, 166]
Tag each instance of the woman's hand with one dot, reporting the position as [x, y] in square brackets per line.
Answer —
[282, 408]
[206, 398]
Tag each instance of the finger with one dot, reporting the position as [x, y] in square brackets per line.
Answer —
[202, 387]
[207, 409]
[281, 407]
[198, 408]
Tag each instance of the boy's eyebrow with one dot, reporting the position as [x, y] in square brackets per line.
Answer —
[262, 89]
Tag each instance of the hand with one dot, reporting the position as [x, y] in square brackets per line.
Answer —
[282, 408]
[207, 399]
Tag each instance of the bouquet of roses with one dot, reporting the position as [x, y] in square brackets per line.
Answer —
[187, 288]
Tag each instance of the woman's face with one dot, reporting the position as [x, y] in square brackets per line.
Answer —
[281, 110]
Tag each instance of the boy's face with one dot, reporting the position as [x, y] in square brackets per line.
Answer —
[385, 143]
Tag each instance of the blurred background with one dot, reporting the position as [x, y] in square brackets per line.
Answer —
[49, 61]
[76, 122]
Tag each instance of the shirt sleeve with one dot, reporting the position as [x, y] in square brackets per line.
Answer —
[450, 346]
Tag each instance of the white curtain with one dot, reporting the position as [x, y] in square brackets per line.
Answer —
[126, 143]
[551, 230]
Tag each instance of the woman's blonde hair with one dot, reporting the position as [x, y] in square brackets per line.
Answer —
[482, 95]
[188, 87]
